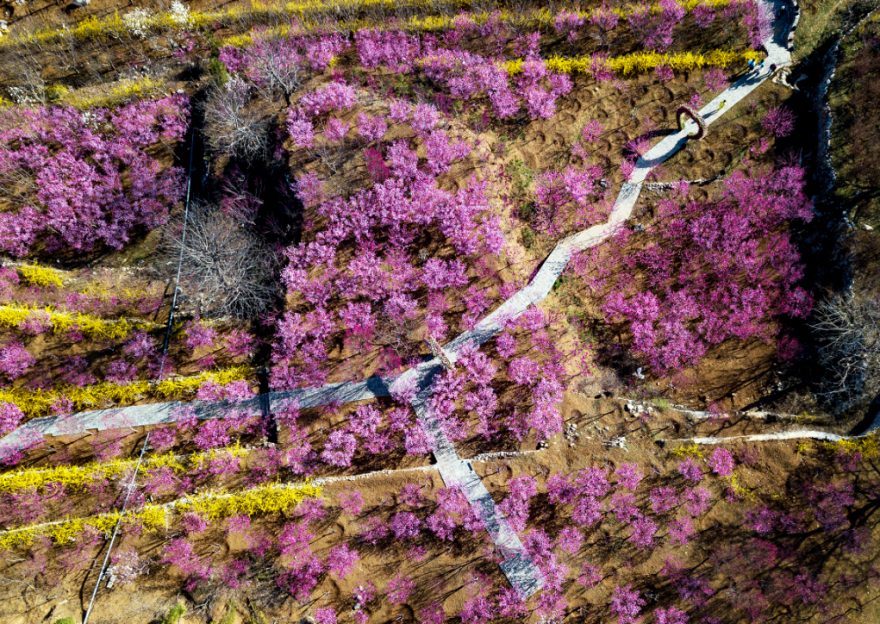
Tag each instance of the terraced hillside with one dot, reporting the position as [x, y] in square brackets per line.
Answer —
[426, 311]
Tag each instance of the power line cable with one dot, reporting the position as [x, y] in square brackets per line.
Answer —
[131, 485]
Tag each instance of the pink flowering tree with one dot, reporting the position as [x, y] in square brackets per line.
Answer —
[340, 448]
[351, 502]
[568, 199]
[15, 360]
[690, 470]
[372, 128]
[570, 540]
[399, 589]
[568, 24]
[730, 249]
[591, 575]
[342, 560]
[663, 499]
[516, 506]
[655, 29]
[405, 525]
[779, 121]
[721, 462]
[630, 476]
[86, 181]
[626, 604]
[325, 615]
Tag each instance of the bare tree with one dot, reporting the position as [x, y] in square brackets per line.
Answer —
[848, 327]
[339, 13]
[231, 125]
[484, 6]
[276, 65]
[224, 266]
[30, 87]
[400, 334]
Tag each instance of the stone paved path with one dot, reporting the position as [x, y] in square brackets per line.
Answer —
[764, 437]
[517, 565]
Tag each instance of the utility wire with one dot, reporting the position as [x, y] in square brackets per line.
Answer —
[180, 260]
[131, 487]
[159, 376]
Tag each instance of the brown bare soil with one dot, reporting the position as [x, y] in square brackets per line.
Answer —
[508, 154]
[766, 473]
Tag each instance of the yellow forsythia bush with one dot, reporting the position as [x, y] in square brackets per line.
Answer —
[75, 477]
[734, 485]
[265, 499]
[40, 276]
[135, 89]
[869, 446]
[93, 326]
[115, 26]
[36, 402]
[151, 517]
[693, 450]
[261, 500]
[640, 62]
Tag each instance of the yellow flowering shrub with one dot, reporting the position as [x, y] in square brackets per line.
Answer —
[76, 477]
[93, 326]
[133, 89]
[869, 446]
[261, 500]
[640, 62]
[36, 402]
[684, 450]
[40, 276]
[735, 487]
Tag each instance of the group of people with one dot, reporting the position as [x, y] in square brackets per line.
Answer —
[760, 66]
[752, 67]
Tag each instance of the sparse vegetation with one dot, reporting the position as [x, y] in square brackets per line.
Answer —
[174, 614]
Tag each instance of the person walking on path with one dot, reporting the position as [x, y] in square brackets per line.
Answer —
[751, 64]
[723, 103]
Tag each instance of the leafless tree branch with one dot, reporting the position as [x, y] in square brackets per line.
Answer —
[231, 125]
[848, 326]
[225, 266]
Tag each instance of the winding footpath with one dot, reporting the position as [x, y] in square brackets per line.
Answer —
[517, 565]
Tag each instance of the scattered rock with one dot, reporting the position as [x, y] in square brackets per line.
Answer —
[618, 443]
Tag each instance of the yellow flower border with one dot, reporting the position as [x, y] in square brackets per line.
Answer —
[40, 275]
[76, 477]
[35, 402]
[312, 14]
[640, 62]
[96, 327]
[261, 500]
